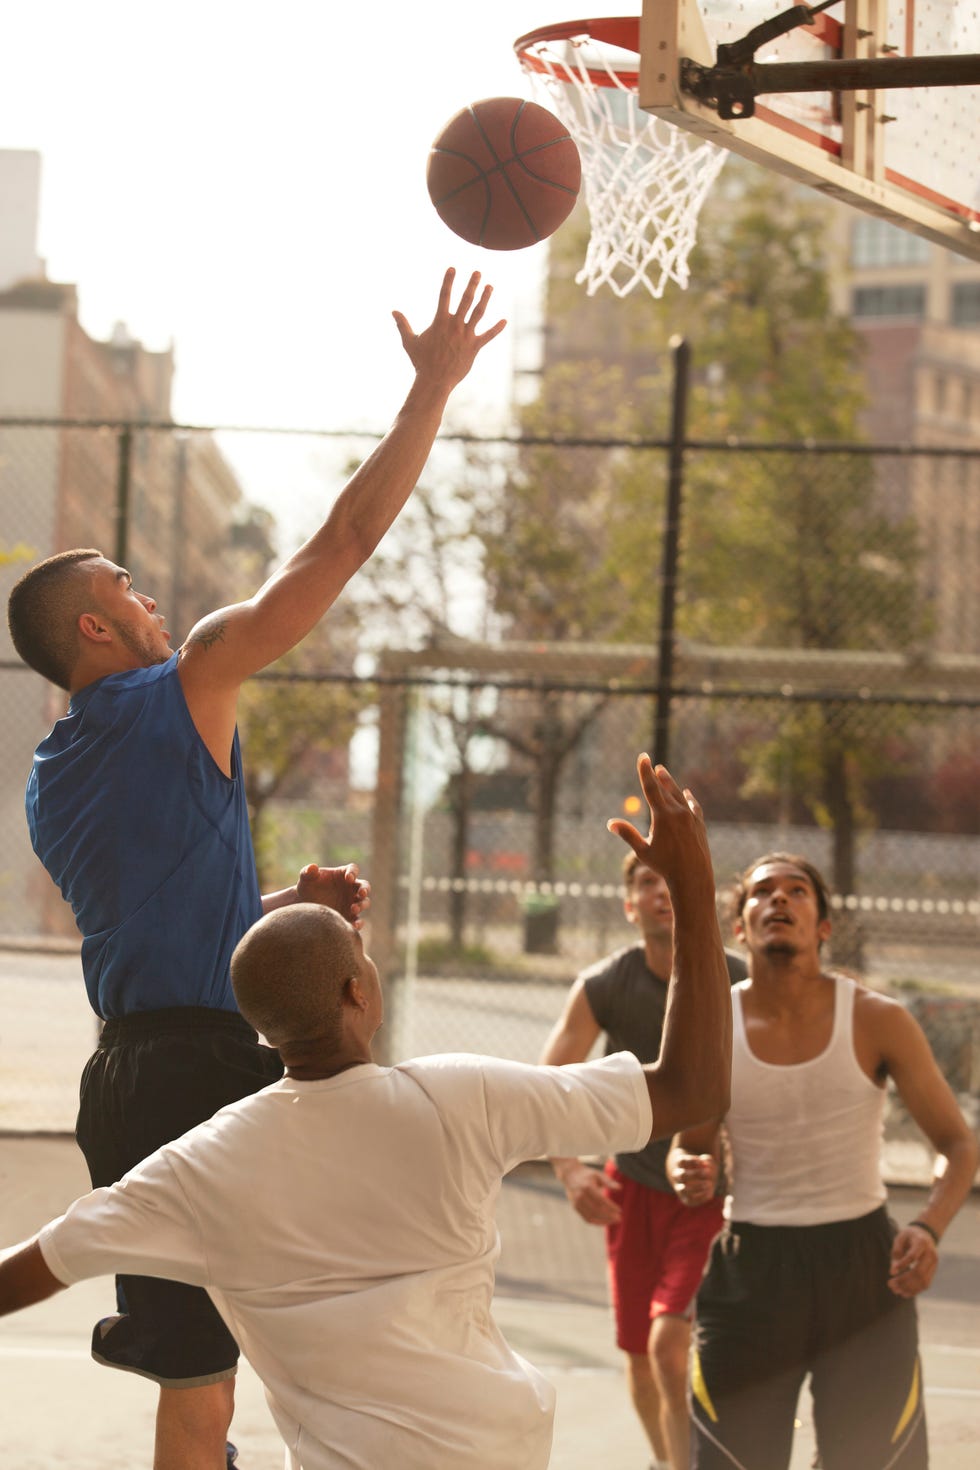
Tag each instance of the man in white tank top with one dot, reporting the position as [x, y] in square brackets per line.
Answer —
[811, 1276]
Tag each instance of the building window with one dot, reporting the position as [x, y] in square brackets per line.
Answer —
[876, 242]
[965, 310]
[903, 301]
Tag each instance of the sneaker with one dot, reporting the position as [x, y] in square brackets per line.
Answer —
[231, 1453]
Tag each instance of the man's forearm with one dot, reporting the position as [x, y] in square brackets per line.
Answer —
[25, 1277]
[695, 1054]
[302, 590]
[691, 1082]
[950, 1187]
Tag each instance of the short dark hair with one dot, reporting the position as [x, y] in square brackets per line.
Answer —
[740, 892]
[630, 864]
[42, 612]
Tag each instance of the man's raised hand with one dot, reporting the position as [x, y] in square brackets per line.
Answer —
[446, 350]
[677, 844]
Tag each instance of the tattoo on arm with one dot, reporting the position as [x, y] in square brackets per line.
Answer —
[212, 633]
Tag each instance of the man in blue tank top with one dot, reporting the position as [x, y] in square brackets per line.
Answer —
[136, 807]
[811, 1277]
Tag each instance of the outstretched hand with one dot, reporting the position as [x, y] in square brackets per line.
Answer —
[677, 844]
[446, 350]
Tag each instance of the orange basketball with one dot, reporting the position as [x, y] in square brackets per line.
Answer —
[504, 173]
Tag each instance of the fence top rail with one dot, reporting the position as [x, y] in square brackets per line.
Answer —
[731, 444]
[784, 694]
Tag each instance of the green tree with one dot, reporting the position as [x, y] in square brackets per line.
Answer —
[298, 712]
[424, 588]
[291, 717]
[799, 551]
[822, 561]
[551, 552]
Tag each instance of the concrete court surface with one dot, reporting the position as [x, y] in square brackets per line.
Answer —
[60, 1410]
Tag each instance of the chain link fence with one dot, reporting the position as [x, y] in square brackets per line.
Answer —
[820, 696]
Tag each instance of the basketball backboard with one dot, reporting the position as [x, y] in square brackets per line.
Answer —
[911, 155]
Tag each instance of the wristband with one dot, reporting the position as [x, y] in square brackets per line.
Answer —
[921, 1225]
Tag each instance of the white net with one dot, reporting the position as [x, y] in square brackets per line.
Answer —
[645, 180]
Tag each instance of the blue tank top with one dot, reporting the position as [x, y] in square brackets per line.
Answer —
[148, 841]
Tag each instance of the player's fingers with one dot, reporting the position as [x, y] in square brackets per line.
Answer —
[907, 1246]
[659, 787]
[693, 803]
[480, 305]
[404, 330]
[621, 828]
[600, 1211]
[648, 779]
[446, 289]
[491, 332]
[666, 783]
[469, 292]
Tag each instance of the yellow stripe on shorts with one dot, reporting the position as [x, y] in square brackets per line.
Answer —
[700, 1389]
[911, 1404]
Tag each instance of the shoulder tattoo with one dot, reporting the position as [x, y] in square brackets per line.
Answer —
[210, 633]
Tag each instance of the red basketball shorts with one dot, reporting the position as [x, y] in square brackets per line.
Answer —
[656, 1255]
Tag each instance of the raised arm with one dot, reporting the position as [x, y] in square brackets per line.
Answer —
[571, 1040]
[690, 1082]
[235, 642]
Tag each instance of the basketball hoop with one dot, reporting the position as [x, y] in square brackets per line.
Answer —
[645, 180]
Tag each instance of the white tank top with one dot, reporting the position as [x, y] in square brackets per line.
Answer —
[806, 1139]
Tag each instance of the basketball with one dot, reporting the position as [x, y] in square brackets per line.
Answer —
[504, 173]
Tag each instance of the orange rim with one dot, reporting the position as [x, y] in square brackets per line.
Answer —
[622, 31]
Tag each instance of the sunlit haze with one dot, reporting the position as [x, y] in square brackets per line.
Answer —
[250, 183]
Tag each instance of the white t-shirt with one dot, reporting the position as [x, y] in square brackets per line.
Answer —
[344, 1230]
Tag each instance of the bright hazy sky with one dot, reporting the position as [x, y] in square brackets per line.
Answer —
[249, 182]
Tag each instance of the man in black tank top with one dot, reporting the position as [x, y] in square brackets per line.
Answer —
[811, 1277]
[656, 1248]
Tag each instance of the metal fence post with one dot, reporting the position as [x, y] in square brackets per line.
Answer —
[672, 525]
[124, 468]
[386, 855]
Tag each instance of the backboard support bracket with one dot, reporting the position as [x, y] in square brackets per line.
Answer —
[732, 87]
[679, 73]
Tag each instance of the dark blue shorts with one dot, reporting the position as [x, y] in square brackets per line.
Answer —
[155, 1075]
